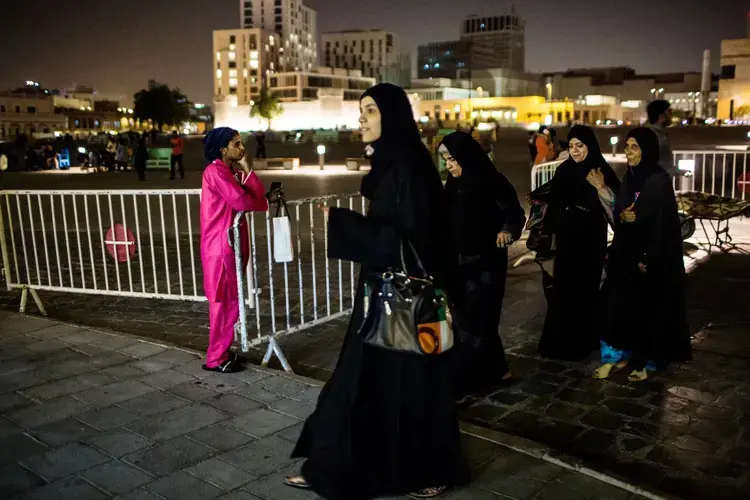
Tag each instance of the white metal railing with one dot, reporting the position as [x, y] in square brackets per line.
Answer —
[58, 241]
[300, 294]
[718, 172]
[146, 244]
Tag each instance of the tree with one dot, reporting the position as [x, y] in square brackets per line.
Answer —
[266, 106]
[161, 105]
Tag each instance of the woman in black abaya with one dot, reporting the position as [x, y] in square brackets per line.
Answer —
[484, 219]
[645, 284]
[580, 204]
[386, 422]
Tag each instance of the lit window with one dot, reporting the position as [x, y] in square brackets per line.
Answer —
[218, 56]
[218, 73]
[232, 46]
[232, 56]
[271, 40]
[232, 82]
[254, 54]
[244, 72]
[254, 64]
[232, 73]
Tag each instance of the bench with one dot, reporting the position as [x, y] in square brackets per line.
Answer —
[159, 158]
[356, 164]
[282, 163]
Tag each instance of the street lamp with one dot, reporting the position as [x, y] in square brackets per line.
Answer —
[549, 91]
[322, 156]
[613, 141]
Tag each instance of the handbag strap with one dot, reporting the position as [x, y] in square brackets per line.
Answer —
[281, 202]
[420, 266]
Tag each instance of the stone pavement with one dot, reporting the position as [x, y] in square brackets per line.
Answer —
[88, 415]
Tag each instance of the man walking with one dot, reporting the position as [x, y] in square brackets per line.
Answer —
[178, 146]
[659, 118]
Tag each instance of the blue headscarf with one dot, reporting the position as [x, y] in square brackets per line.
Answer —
[216, 140]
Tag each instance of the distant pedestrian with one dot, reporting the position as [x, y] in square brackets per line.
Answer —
[178, 147]
[260, 145]
[122, 157]
[659, 118]
[141, 157]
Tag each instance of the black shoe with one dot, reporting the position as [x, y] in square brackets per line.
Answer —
[238, 358]
[228, 366]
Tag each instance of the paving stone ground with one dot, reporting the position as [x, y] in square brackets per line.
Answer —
[88, 415]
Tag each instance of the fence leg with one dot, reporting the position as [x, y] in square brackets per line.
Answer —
[274, 348]
[25, 299]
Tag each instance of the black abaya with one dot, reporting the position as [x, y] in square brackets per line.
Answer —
[646, 310]
[386, 422]
[482, 203]
[579, 223]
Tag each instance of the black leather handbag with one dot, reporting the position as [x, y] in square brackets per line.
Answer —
[406, 313]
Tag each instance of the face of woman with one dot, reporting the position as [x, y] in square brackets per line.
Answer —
[633, 152]
[370, 123]
[452, 165]
[235, 150]
[578, 150]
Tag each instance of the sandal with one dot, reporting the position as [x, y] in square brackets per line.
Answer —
[296, 482]
[429, 492]
[228, 366]
[638, 376]
[604, 371]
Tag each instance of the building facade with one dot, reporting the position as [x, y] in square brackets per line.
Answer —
[620, 82]
[297, 86]
[376, 53]
[505, 34]
[734, 83]
[297, 25]
[485, 43]
[29, 114]
[243, 62]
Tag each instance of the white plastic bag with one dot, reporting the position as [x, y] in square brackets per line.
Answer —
[283, 251]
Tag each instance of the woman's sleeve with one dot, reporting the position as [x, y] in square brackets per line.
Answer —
[507, 200]
[248, 196]
[376, 242]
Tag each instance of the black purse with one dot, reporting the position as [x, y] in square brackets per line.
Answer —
[405, 313]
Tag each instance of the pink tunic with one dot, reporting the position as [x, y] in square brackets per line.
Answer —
[222, 196]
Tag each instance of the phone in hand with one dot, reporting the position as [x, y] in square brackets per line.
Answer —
[275, 186]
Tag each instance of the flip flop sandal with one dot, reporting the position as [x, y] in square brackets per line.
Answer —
[228, 366]
[429, 492]
[297, 482]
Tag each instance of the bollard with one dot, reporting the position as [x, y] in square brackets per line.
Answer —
[613, 141]
[322, 156]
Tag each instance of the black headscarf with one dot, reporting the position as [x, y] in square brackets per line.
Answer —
[477, 168]
[399, 133]
[216, 140]
[649, 165]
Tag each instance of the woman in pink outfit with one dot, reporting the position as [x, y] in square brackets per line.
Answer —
[225, 192]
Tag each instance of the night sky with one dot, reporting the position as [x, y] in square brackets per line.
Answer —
[117, 46]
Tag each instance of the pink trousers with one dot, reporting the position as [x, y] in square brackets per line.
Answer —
[221, 319]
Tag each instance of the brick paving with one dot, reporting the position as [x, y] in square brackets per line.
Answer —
[88, 415]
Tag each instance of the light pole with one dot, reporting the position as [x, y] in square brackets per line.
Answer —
[549, 91]
[613, 141]
[322, 156]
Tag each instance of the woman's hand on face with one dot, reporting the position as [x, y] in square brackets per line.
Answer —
[504, 239]
[628, 215]
[595, 177]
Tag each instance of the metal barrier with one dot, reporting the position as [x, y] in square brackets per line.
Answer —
[310, 293]
[128, 243]
[719, 172]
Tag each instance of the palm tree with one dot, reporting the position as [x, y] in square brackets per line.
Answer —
[266, 106]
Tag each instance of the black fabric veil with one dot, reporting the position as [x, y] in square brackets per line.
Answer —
[399, 133]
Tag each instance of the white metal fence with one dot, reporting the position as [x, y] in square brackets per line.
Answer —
[146, 244]
[719, 172]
